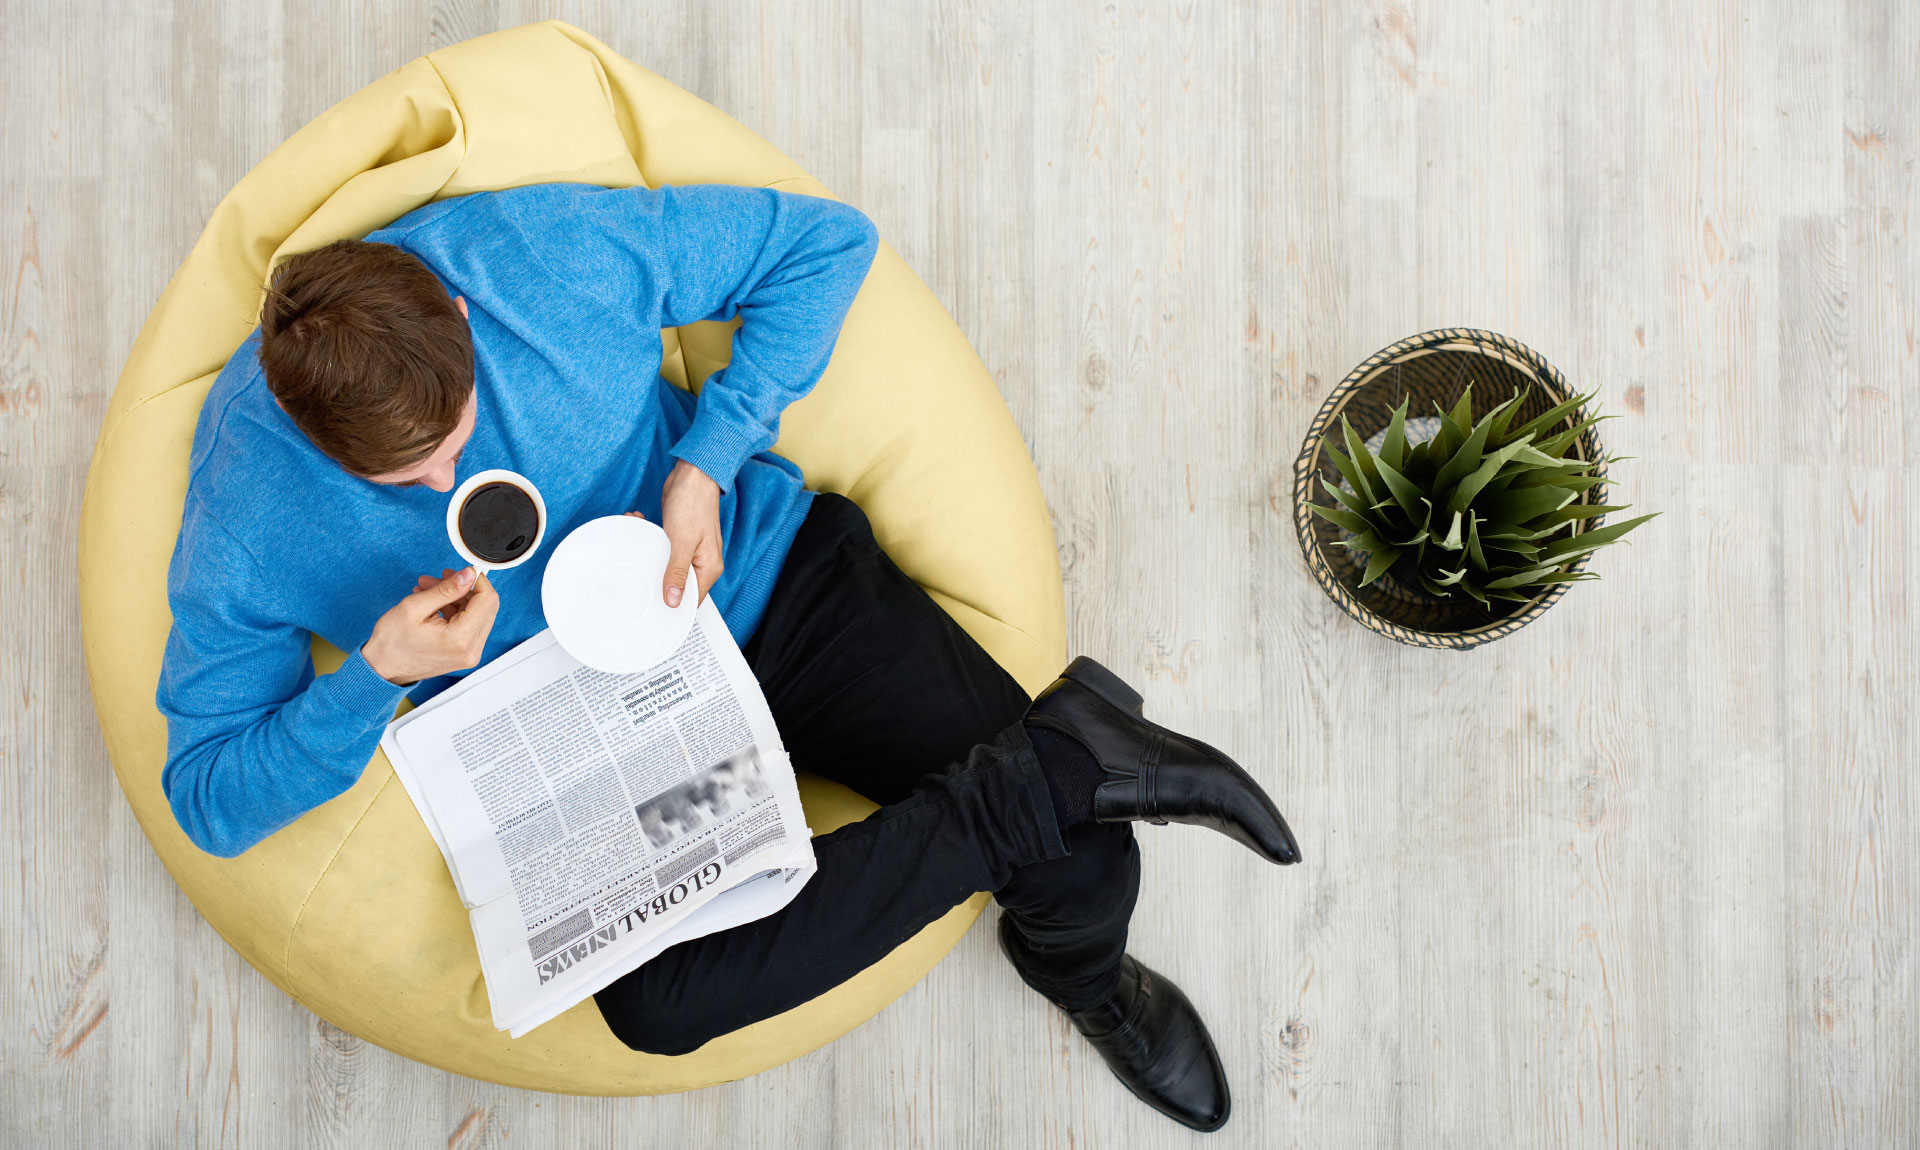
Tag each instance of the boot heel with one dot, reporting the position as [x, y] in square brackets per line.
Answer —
[1105, 684]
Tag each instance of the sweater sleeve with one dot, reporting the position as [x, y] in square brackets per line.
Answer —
[788, 265]
[254, 738]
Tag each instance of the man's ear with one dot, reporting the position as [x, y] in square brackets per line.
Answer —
[460, 302]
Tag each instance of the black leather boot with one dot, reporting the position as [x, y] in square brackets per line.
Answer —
[1154, 1042]
[1153, 774]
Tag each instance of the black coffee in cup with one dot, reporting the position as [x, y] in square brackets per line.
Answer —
[499, 522]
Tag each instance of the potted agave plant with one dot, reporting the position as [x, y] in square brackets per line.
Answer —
[1464, 486]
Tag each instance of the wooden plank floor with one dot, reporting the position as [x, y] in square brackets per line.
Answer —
[1643, 874]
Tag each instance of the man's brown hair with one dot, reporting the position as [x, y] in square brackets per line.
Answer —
[367, 353]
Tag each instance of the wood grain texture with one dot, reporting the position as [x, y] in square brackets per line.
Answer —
[1642, 874]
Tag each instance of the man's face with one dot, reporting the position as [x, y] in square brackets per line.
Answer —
[436, 471]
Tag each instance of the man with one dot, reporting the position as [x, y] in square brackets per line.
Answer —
[520, 330]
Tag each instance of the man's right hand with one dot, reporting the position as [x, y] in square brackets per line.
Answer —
[441, 628]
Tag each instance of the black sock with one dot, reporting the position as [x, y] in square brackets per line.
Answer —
[1072, 774]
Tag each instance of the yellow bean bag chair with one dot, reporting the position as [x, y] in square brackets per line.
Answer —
[351, 910]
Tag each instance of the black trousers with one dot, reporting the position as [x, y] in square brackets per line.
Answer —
[874, 686]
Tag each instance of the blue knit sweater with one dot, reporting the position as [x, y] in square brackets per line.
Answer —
[567, 287]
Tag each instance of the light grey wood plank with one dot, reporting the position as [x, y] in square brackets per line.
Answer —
[1636, 876]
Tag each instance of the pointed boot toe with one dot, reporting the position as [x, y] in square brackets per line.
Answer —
[1153, 1040]
[1156, 775]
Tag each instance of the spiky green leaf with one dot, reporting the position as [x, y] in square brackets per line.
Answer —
[1342, 518]
[1556, 445]
[1347, 471]
[1507, 553]
[1377, 564]
[1346, 498]
[1365, 541]
[1447, 440]
[1462, 412]
[1405, 492]
[1575, 512]
[1523, 579]
[1482, 475]
[1519, 505]
[1364, 462]
[1588, 540]
[1475, 554]
[1545, 422]
[1393, 445]
[1502, 417]
[1433, 588]
[1564, 577]
[1530, 457]
[1462, 463]
[1576, 483]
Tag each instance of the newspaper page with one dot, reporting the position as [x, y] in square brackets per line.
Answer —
[592, 820]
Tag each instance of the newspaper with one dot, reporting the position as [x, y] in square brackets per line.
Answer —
[591, 821]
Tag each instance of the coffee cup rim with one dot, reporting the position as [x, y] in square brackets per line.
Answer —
[475, 482]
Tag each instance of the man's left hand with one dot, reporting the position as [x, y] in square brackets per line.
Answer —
[690, 515]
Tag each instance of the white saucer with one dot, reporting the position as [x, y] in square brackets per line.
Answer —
[601, 595]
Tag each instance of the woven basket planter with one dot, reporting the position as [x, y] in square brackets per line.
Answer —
[1434, 367]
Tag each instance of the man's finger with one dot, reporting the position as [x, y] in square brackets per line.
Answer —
[708, 564]
[482, 602]
[678, 560]
[426, 581]
[475, 620]
[431, 599]
[453, 608]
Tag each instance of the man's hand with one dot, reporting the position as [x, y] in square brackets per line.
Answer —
[690, 515]
[442, 627]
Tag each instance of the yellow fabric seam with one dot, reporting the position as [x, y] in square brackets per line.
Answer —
[286, 960]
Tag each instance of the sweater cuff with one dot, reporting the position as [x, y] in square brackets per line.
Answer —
[360, 690]
[716, 448]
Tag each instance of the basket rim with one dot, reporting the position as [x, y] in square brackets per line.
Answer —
[1307, 465]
